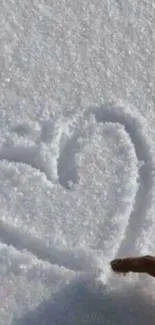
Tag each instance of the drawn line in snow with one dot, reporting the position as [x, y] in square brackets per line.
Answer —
[73, 260]
[67, 169]
[43, 155]
[134, 127]
[27, 155]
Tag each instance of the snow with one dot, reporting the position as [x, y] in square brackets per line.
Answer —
[77, 160]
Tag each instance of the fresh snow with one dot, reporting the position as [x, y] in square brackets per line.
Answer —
[77, 160]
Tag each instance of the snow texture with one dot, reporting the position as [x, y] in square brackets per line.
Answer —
[77, 160]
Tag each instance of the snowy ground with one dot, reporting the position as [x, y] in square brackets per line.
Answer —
[77, 160]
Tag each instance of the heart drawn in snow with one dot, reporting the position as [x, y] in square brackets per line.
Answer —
[99, 164]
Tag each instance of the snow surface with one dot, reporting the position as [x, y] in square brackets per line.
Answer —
[77, 160]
